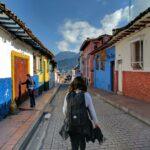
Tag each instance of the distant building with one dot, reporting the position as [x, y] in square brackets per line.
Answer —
[87, 60]
[104, 67]
[57, 76]
[76, 73]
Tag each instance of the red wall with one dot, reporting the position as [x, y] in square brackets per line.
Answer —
[137, 85]
[88, 49]
[86, 57]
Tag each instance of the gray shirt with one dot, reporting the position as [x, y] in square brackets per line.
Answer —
[89, 105]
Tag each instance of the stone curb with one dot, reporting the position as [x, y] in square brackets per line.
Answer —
[125, 109]
[21, 144]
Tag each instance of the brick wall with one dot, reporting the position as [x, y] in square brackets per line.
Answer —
[137, 85]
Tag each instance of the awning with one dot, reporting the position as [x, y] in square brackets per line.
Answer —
[15, 26]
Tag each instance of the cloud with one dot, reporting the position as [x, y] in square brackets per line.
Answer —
[75, 32]
[139, 6]
[63, 45]
[111, 21]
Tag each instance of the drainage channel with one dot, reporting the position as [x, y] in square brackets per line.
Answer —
[38, 134]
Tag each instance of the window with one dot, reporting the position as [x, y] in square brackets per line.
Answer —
[95, 45]
[39, 64]
[137, 54]
[102, 65]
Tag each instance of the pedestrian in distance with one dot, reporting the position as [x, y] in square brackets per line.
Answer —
[78, 109]
[30, 88]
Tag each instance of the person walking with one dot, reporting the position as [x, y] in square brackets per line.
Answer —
[30, 87]
[77, 104]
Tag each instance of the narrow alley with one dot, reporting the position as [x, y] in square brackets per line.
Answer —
[122, 131]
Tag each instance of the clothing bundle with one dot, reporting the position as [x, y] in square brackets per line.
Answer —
[91, 134]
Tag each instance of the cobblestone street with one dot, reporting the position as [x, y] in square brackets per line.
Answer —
[122, 132]
[53, 47]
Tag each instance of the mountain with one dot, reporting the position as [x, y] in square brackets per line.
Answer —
[65, 55]
[66, 60]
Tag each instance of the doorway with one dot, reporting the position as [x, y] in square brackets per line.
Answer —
[112, 65]
[20, 68]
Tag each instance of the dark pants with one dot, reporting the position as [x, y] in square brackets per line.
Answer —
[32, 98]
[77, 141]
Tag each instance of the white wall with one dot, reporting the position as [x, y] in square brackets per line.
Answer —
[123, 50]
[7, 44]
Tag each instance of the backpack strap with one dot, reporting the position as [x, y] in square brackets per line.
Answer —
[69, 103]
[89, 113]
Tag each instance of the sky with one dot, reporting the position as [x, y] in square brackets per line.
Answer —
[62, 25]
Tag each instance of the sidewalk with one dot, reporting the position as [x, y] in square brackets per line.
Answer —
[15, 128]
[138, 109]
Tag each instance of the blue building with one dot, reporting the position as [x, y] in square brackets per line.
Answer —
[104, 68]
[5, 96]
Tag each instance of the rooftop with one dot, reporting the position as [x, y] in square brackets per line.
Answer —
[10, 22]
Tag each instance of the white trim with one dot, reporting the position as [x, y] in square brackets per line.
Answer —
[137, 38]
[132, 48]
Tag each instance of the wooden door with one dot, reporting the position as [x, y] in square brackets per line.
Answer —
[112, 75]
[20, 72]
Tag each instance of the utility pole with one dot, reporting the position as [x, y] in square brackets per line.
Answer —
[130, 2]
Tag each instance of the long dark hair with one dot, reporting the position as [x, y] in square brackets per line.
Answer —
[78, 83]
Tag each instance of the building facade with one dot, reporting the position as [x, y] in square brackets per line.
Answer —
[132, 69]
[104, 69]
[87, 60]
[21, 54]
[121, 63]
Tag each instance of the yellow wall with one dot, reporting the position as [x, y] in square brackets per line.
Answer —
[46, 71]
[44, 75]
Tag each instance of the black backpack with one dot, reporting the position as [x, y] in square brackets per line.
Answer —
[77, 114]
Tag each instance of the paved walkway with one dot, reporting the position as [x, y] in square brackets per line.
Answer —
[122, 131]
[14, 127]
[137, 108]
